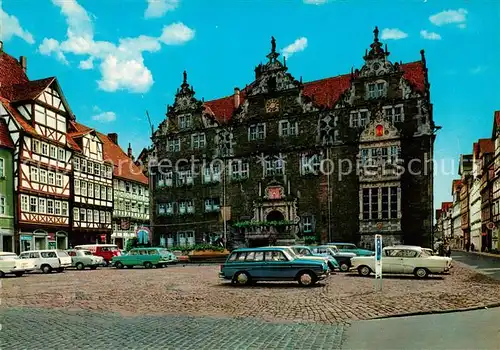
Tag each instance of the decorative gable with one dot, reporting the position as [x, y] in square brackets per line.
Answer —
[379, 129]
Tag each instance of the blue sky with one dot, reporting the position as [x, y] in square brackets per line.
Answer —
[115, 59]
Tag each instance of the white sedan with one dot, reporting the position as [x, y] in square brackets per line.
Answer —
[11, 264]
[403, 260]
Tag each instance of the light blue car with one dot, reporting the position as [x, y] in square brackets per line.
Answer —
[351, 248]
[306, 251]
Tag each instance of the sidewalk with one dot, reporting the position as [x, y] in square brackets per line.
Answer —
[477, 253]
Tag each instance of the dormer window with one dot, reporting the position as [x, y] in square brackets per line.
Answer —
[376, 90]
[184, 121]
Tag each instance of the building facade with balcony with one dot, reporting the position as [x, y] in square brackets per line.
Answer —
[263, 173]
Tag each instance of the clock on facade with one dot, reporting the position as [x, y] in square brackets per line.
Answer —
[272, 105]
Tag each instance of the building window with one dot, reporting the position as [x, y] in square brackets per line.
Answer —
[61, 154]
[102, 217]
[211, 173]
[50, 177]
[43, 176]
[33, 204]
[41, 205]
[127, 206]
[2, 205]
[83, 215]
[90, 189]
[174, 145]
[103, 192]
[24, 203]
[110, 193]
[34, 174]
[97, 191]
[53, 152]
[50, 206]
[376, 90]
[64, 210]
[76, 214]
[212, 204]
[359, 118]
[184, 177]
[45, 149]
[310, 164]
[257, 132]
[184, 121]
[307, 224]
[84, 166]
[90, 167]
[186, 207]
[2, 167]
[165, 179]
[239, 169]
[287, 128]
[394, 113]
[76, 164]
[380, 155]
[96, 216]
[97, 169]
[127, 187]
[57, 207]
[108, 217]
[198, 141]
[83, 188]
[59, 180]
[275, 166]
[36, 146]
[386, 196]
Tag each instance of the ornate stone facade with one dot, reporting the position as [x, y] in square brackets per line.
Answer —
[281, 159]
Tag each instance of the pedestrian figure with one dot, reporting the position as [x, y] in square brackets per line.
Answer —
[448, 251]
[467, 246]
[472, 247]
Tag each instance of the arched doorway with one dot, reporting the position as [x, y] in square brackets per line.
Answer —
[276, 215]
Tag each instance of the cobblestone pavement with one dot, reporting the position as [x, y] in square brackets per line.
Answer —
[59, 329]
[197, 291]
[487, 265]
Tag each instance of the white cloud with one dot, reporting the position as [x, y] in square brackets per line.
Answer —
[176, 33]
[157, 8]
[430, 35]
[87, 64]
[10, 27]
[121, 64]
[104, 117]
[297, 46]
[315, 2]
[393, 33]
[450, 17]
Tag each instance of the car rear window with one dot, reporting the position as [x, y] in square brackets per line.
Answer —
[49, 254]
[62, 253]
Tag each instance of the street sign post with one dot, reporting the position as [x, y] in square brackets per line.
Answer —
[378, 262]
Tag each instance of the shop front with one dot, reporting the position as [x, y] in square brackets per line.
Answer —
[41, 239]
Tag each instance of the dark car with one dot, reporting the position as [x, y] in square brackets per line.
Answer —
[344, 259]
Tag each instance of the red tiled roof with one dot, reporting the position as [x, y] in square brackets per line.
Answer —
[29, 90]
[497, 118]
[18, 117]
[456, 185]
[5, 140]
[123, 166]
[446, 205]
[11, 72]
[324, 92]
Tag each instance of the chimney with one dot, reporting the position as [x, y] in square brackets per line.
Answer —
[24, 63]
[236, 97]
[129, 152]
[113, 137]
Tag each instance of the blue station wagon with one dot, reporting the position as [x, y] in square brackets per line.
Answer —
[249, 265]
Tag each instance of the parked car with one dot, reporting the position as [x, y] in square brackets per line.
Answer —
[84, 258]
[11, 264]
[344, 259]
[403, 260]
[351, 248]
[147, 257]
[248, 265]
[106, 251]
[48, 260]
[305, 252]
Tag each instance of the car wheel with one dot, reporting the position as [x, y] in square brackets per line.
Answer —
[148, 265]
[18, 274]
[344, 267]
[421, 272]
[60, 269]
[364, 271]
[46, 268]
[241, 278]
[2, 274]
[80, 266]
[306, 278]
[119, 265]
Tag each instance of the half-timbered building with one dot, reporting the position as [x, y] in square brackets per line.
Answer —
[264, 154]
[92, 200]
[6, 190]
[37, 115]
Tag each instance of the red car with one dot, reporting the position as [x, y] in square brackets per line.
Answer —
[106, 251]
